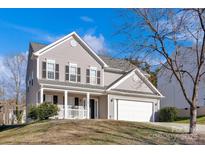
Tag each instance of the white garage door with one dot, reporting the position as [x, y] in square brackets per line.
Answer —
[134, 111]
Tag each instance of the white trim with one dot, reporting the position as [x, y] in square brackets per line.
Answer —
[122, 80]
[73, 87]
[151, 86]
[41, 95]
[63, 39]
[88, 104]
[65, 104]
[72, 91]
[108, 112]
[132, 94]
[153, 112]
[52, 62]
[115, 109]
[37, 68]
[95, 69]
[148, 82]
[73, 65]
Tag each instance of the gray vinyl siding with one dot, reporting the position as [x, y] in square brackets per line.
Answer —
[134, 83]
[64, 54]
[31, 93]
[103, 107]
[110, 77]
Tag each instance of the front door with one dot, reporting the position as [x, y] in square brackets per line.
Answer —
[92, 108]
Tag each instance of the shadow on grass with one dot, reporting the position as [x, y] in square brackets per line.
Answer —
[18, 126]
[9, 127]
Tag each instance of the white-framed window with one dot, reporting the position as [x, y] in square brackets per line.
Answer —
[93, 75]
[51, 69]
[73, 72]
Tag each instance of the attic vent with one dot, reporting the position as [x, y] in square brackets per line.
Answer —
[73, 43]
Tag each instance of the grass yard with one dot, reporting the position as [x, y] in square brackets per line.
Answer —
[200, 120]
[93, 132]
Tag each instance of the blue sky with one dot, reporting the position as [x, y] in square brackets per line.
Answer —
[18, 27]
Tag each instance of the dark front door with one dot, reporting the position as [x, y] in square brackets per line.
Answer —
[92, 108]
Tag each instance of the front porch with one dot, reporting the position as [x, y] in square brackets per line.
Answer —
[73, 104]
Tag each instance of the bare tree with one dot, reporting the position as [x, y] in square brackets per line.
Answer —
[15, 77]
[2, 92]
[158, 32]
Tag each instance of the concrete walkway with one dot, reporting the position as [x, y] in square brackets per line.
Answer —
[182, 127]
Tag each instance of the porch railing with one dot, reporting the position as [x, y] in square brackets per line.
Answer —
[72, 112]
[77, 113]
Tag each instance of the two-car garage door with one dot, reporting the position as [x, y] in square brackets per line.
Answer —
[134, 110]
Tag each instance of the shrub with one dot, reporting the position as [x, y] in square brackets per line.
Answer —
[33, 113]
[47, 110]
[43, 111]
[168, 114]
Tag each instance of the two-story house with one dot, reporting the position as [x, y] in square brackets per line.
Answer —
[70, 74]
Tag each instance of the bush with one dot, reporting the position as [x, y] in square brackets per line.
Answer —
[168, 114]
[33, 113]
[43, 111]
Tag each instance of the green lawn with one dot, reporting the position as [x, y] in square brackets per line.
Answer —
[93, 132]
[200, 120]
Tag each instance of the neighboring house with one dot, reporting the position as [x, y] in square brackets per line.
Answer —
[170, 88]
[7, 112]
[84, 85]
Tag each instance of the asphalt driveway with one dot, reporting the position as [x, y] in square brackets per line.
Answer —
[181, 127]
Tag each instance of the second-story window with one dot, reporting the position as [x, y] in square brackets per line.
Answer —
[93, 75]
[51, 69]
[73, 72]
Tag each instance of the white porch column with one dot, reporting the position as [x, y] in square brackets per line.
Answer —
[88, 105]
[65, 104]
[41, 95]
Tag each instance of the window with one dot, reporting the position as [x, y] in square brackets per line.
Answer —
[73, 72]
[55, 99]
[32, 78]
[67, 73]
[57, 72]
[93, 75]
[44, 70]
[76, 101]
[51, 69]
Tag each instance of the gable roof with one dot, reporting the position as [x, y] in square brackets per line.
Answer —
[115, 63]
[112, 64]
[37, 46]
[140, 75]
[118, 63]
[76, 36]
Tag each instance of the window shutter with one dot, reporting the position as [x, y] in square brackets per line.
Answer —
[66, 72]
[98, 77]
[78, 74]
[87, 76]
[57, 71]
[43, 69]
